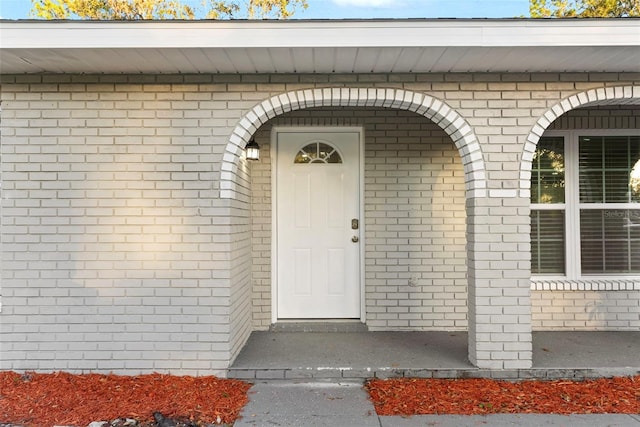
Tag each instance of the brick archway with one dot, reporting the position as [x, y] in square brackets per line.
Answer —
[601, 96]
[437, 111]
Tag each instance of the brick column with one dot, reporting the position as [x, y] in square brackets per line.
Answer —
[499, 295]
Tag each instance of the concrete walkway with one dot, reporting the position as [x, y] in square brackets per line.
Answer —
[346, 404]
[315, 378]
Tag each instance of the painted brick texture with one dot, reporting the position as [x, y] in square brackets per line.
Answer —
[594, 308]
[118, 253]
[414, 220]
[115, 247]
[586, 311]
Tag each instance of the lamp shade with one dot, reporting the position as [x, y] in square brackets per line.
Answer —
[253, 150]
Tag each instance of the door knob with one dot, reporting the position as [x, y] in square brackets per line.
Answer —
[355, 239]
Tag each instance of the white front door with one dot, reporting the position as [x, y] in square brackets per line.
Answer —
[318, 224]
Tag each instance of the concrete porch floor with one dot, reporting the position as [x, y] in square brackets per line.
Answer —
[304, 355]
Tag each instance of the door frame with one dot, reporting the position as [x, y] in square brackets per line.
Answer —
[274, 207]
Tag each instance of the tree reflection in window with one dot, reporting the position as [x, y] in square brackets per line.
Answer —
[318, 152]
[634, 182]
[547, 175]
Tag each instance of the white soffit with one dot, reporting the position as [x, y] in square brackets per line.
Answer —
[334, 46]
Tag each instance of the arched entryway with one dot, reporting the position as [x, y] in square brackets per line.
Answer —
[436, 110]
[579, 171]
[234, 172]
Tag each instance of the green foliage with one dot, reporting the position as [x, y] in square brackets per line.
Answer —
[584, 8]
[162, 9]
[274, 8]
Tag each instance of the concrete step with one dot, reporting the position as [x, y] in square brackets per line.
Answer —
[392, 372]
[319, 326]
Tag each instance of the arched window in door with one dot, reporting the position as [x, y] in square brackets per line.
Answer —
[318, 152]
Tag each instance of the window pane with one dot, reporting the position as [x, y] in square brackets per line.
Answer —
[547, 175]
[334, 158]
[302, 157]
[590, 163]
[616, 186]
[634, 175]
[318, 152]
[609, 240]
[615, 152]
[547, 242]
[608, 171]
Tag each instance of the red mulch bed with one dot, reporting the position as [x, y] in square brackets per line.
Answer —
[406, 396]
[45, 400]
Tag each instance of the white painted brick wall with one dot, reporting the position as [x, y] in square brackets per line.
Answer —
[114, 243]
[589, 309]
[414, 219]
[581, 310]
[119, 255]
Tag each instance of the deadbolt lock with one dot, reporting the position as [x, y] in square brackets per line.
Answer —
[355, 224]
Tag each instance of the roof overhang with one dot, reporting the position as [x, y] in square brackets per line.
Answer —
[321, 46]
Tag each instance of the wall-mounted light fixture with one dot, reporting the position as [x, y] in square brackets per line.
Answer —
[253, 150]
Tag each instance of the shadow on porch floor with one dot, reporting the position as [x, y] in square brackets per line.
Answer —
[300, 355]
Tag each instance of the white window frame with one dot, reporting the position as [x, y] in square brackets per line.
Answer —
[571, 207]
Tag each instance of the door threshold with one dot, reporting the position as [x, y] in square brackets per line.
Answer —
[320, 325]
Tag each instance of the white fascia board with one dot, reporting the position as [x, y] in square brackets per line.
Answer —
[343, 33]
